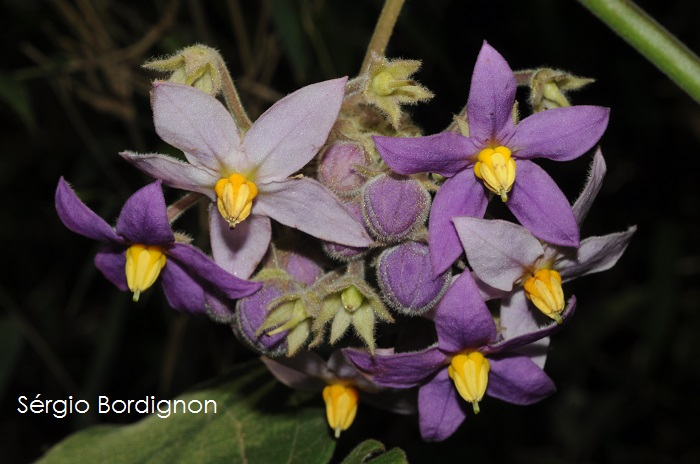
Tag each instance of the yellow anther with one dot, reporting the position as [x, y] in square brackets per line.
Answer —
[497, 169]
[341, 406]
[470, 373]
[545, 292]
[143, 264]
[235, 196]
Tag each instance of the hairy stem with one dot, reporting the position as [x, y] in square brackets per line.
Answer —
[182, 205]
[382, 31]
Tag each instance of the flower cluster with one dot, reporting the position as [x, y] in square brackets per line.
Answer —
[331, 211]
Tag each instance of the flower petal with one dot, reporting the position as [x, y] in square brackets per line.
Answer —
[541, 207]
[462, 320]
[526, 338]
[181, 289]
[440, 411]
[307, 205]
[207, 271]
[518, 380]
[144, 217]
[595, 254]
[400, 370]
[111, 261]
[288, 135]
[460, 195]
[79, 218]
[498, 251]
[445, 153]
[517, 318]
[590, 190]
[174, 173]
[560, 134]
[305, 371]
[196, 123]
[491, 98]
[239, 251]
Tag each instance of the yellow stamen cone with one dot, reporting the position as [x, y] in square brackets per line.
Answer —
[143, 265]
[470, 374]
[235, 195]
[545, 292]
[341, 406]
[496, 169]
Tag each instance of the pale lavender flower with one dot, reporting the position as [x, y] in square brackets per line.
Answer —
[142, 247]
[498, 152]
[469, 360]
[247, 175]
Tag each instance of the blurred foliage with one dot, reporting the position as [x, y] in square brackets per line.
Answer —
[72, 95]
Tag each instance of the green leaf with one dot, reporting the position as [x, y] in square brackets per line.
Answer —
[373, 452]
[258, 421]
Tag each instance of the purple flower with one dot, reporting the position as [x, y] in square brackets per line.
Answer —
[499, 153]
[469, 360]
[247, 175]
[503, 255]
[142, 246]
[342, 385]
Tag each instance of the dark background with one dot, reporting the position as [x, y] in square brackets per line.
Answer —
[72, 95]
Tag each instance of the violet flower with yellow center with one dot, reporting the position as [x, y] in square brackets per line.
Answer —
[495, 157]
[470, 360]
[142, 248]
[520, 267]
[247, 175]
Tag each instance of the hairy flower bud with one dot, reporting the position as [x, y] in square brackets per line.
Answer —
[197, 66]
[336, 170]
[405, 276]
[548, 88]
[393, 207]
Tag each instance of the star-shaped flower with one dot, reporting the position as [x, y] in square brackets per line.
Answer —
[247, 175]
[504, 255]
[142, 247]
[498, 152]
[469, 360]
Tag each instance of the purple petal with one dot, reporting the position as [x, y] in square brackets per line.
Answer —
[251, 312]
[590, 191]
[498, 251]
[175, 173]
[518, 380]
[517, 318]
[79, 218]
[526, 338]
[491, 98]
[144, 217]
[595, 254]
[293, 130]
[445, 153]
[541, 207]
[181, 289]
[196, 123]
[401, 370]
[440, 409]
[462, 319]
[307, 205]
[111, 261]
[560, 134]
[460, 195]
[239, 251]
[305, 371]
[206, 270]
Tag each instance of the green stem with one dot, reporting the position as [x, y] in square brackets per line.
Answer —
[658, 45]
[382, 31]
[233, 101]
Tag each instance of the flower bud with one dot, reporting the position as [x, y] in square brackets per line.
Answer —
[393, 207]
[197, 66]
[405, 276]
[251, 313]
[336, 170]
[548, 88]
